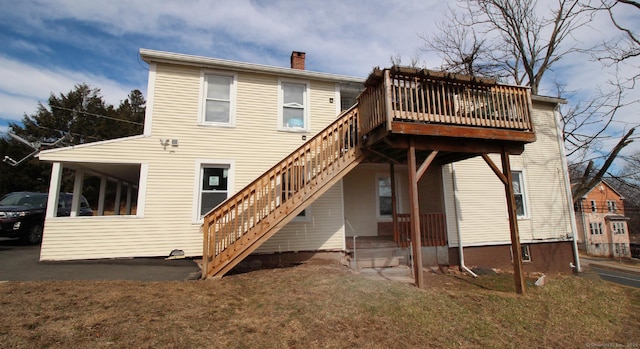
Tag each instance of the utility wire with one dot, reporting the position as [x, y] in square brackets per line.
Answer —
[97, 115]
[68, 132]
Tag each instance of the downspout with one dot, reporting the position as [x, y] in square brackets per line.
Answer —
[567, 187]
[584, 225]
[456, 210]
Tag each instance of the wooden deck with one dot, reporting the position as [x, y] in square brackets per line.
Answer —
[459, 116]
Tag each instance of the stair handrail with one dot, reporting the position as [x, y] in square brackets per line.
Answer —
[274, 190]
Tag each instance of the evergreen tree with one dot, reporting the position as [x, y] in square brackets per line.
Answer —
[79, 116]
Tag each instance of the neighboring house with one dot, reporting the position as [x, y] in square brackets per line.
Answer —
[217, 130]
[602, 225]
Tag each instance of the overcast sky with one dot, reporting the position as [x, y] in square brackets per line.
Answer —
[48, 46]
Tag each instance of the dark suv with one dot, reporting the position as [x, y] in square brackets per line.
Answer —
[22, 214]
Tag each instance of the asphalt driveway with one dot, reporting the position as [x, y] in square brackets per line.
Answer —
[21, 263]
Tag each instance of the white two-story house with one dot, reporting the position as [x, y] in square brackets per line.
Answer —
[239, 158]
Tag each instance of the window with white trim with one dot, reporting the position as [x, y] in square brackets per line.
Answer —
[594, 207]
[214, 187]
[611, 206]
[519, 194]
[595, 228]
[383, 186]
[218, 106]
[619, 228]
[525, 253]
[293, 106]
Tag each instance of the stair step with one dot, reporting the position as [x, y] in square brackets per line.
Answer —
[379, 262]
[379, 252]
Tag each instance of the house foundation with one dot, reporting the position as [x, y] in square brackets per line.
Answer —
[546, 257]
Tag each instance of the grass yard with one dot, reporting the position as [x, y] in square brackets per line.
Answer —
[319, 305]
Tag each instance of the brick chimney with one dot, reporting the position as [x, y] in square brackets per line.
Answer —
[297, 60]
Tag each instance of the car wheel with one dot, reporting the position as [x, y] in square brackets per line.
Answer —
[33, 235]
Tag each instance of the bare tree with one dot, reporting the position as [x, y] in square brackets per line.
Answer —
[516, 41]
[520, 41]
[585, 124]
[593, 175]
[462, 51]
[627, 47]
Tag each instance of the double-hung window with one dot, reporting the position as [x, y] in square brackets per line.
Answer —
[594, 206]
[611, 206]
[294, 106]
[218, 106]
[619, 228]
[214, 186]
[595, 228]
[519, 194]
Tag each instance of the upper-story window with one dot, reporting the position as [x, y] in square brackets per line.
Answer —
[594, 207]
[294, 106]
[219, 92]
[611, 206]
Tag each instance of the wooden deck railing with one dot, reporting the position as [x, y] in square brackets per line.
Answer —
[236, 227]
[418, 95]
[433, 229]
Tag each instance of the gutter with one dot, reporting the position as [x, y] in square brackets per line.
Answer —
[456, 210]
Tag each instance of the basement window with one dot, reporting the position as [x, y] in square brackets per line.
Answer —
[525, 252]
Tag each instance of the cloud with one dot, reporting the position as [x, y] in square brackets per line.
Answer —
[340, 37]
[97, 41]
[24, 85]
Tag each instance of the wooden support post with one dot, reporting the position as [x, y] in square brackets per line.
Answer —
[102, 195]
[394, 209]
[518, 276]
[415, 216]
[116, 207]
[77, 193]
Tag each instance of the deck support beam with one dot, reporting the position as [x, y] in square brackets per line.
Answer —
[415, 173]
[506, 177]
[416, 243]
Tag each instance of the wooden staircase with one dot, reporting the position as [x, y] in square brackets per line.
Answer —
[239, 225]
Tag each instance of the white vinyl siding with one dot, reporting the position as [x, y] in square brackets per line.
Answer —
[325, 230]
[481, 204]
[170, 182]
